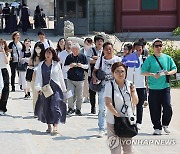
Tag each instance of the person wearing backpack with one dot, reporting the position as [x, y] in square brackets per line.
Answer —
[92, 55]
[42, 38]
[105, 63]
[158, 68]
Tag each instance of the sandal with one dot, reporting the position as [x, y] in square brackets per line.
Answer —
[54, 132]
[49, 130]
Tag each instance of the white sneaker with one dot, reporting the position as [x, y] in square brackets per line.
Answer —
[166, 129]
[145, 104]
[1, 113]
[157, 132]
[139, 126]
[101, 134]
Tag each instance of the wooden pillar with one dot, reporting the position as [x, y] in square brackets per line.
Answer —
[178, 12]
[118, 15]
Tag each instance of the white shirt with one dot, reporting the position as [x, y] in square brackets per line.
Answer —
[118, 100]
[90, 54]
[3, 63]
[1, 82]
[106, 66]
[135, 74]
[62, 57]
[18, 47]
[56, 75]
[46, 44]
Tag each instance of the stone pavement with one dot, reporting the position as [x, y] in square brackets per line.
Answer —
[20, 133]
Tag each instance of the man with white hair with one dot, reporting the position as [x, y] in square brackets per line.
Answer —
[75, 63]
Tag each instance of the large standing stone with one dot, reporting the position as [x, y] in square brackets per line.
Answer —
[68, 29]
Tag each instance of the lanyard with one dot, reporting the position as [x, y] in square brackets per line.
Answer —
[124, 102]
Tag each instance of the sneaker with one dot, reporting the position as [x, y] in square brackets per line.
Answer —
[78, 112]
[26, 96]
[21, 87]
[139, 126]
[166, 129]
[145, 104]
[29, 95]
[2, 113]
[70, 111]
[157, 132]
[101, 134]
[93, 110]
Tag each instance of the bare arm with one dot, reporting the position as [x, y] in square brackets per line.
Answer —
[109, 105]
[134, 95]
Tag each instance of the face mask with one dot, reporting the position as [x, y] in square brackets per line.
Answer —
[38, 51]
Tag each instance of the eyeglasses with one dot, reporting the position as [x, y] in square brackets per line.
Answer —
[158, 45]
[119, 72]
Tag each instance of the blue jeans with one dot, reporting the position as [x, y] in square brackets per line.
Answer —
[158, 100]
[101, 113]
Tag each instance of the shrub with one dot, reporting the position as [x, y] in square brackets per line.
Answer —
[176, 31]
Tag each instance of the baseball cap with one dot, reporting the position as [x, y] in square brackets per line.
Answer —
[156, 40]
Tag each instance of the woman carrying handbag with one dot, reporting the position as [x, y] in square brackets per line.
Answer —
[125, 99]
[50, 107]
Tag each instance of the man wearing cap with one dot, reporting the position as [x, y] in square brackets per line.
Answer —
[157, 68]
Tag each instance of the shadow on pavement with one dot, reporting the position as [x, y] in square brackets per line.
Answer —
[75, 138]
[25, 131]
[35, 132]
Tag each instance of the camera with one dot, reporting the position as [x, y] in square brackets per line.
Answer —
[132, 120]
[75, 65]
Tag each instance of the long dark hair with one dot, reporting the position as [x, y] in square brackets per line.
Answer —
[54, 55]
[58, 48]
[5, 45]
[42, 53]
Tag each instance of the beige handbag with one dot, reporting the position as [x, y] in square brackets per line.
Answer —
[47, 90]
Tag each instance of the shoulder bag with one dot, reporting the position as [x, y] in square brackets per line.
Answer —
[100, 74]
[167, 76]
[47, 90]
[123, 127]
[21, 66]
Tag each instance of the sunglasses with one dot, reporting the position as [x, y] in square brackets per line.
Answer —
[158, 45]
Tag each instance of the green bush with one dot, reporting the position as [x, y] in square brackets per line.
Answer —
[176, 31]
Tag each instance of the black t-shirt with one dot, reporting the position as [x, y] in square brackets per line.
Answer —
[76, 73]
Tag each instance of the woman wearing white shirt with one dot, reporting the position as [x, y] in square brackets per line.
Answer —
[4, 61]
[50, 110]
[16, 47]
[36, 58]
[25, 56]
[122, 89]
